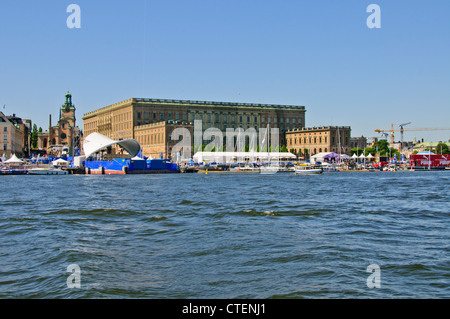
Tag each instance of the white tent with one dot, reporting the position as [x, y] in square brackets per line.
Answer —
[320, 157]
[370, 156]
[60, 162]
[14, 160]
[354, 156]
[236, 157]
[95, 142]
[362, 156]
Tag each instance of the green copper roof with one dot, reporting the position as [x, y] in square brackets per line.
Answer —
[68, 103]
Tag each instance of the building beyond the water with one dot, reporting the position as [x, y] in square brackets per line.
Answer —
[151, 121]
[314, 140]
[64, 138]
[14, 138]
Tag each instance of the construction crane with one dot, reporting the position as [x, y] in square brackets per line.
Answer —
[402, 129]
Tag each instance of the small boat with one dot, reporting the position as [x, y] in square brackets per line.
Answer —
[329, 168]
[271, 169]
[308, 170]
[245, 169]
[13, 171]
[47, 171]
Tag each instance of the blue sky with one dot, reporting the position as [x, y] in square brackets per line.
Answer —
[319, 54]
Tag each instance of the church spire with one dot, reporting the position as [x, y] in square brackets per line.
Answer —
[68, 104]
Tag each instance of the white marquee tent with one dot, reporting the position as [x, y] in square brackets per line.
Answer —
[14, 160]
[236, 157]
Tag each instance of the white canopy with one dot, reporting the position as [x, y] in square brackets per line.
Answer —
[354, 155]
[223, 157]
[59, 162]
[370, 156]
[362, 156]
[96, 142]
[320, 157]
[14, 160]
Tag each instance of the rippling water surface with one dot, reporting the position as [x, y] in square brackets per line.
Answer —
[226, 235]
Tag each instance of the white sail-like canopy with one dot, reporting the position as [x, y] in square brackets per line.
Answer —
[95, 142]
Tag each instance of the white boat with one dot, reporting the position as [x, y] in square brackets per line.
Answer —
[246, 168]
[308, 170]
[271, 169]
[47, 171]
[329, 168]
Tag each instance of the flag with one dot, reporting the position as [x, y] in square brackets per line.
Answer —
[4, 106]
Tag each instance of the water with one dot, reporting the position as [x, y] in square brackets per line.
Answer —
[226, 235]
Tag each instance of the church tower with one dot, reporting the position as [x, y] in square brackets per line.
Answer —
[65, 133]
[67, 113]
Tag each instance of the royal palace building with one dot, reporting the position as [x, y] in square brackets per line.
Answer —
[151, 121]
[314, 140]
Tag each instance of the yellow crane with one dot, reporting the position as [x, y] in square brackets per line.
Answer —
[403, 129]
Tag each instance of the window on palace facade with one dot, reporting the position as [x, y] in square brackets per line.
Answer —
[139, 115]
[5, 129]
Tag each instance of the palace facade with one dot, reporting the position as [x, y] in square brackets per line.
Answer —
[314, 140]
[141, 119]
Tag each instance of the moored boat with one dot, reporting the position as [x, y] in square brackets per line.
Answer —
[47, 171]
[13, 171]
[308, 170]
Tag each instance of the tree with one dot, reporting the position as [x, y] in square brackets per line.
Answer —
[442, 148]
[356, 150]
[383, 147]
[284, 149]
[370, 150]
[34, 137]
